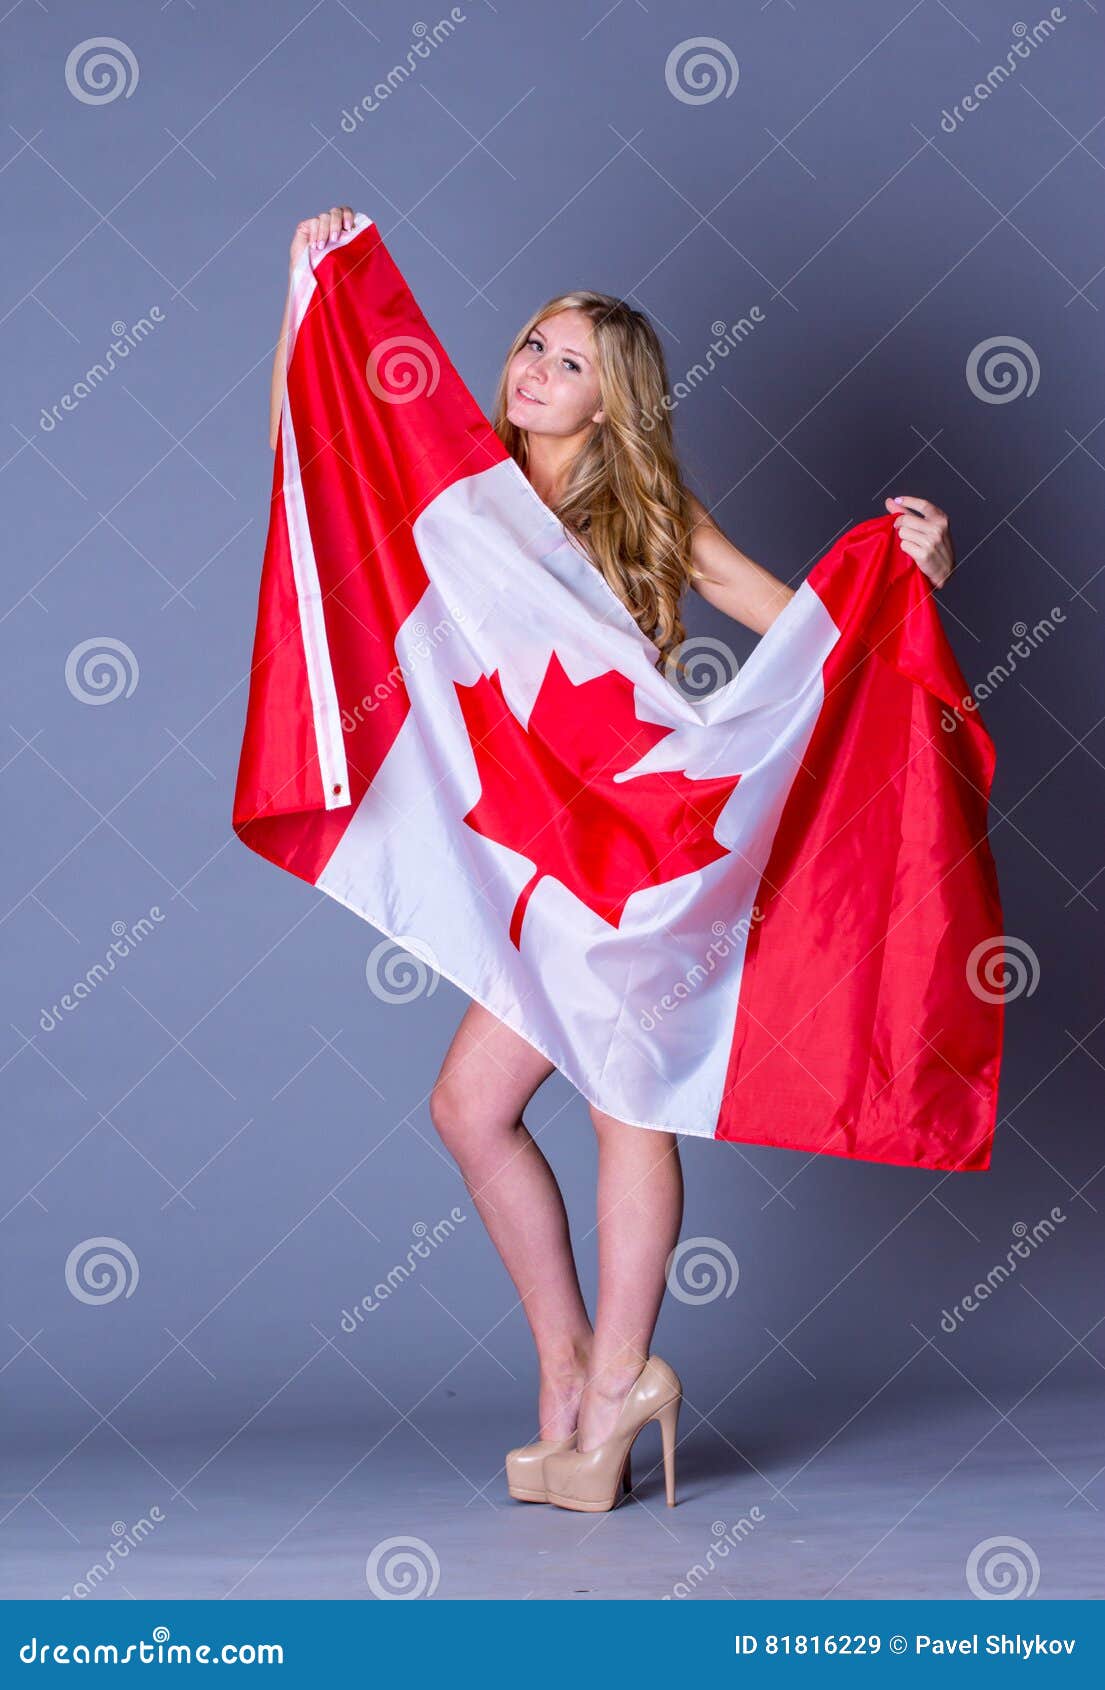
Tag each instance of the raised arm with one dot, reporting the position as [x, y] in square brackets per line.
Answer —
[731, 581]
[313, 231]
[276, 391]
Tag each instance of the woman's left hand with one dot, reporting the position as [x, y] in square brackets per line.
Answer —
[923, 533]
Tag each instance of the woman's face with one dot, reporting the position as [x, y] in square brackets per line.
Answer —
[553, 381]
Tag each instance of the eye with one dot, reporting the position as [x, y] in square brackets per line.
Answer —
[535, 340]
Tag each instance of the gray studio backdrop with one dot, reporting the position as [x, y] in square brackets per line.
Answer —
[235, 1099]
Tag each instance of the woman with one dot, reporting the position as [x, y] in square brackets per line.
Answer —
[580, 407]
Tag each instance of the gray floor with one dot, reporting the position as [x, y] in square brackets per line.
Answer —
[890, 1504]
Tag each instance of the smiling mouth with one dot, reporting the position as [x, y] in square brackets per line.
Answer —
[530, 398]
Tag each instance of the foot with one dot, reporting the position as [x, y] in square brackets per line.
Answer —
[558, 1399]
[602, 1402]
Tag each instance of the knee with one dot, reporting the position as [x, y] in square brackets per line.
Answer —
[458, 1119]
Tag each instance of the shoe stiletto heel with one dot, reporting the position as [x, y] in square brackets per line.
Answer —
[668, 1417]
[594, 1480]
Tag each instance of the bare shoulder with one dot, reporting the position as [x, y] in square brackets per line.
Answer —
[699, 514]
[727, 577]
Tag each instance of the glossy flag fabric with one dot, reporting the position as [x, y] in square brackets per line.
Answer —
[762, 916]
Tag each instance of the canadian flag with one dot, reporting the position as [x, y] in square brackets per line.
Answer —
[755, 916]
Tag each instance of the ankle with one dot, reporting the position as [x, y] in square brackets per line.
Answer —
[613, 1379]
[566, 1365]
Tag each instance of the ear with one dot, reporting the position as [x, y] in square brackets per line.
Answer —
[599, 416]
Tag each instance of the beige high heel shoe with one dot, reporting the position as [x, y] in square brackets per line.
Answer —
[587, 1480]
[524, 1477]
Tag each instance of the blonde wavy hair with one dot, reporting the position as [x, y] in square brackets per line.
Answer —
[624, 497]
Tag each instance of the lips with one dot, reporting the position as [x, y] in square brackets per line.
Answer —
[528, 397]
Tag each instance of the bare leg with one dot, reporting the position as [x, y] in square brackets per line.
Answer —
[640, 1211]
[487, 1078]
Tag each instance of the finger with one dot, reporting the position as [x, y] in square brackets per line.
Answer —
[347, 216]
[913, 551]
[916, 529]
[923, 507]
[336, 221]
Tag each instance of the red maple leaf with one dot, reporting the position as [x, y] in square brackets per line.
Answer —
[548, 791]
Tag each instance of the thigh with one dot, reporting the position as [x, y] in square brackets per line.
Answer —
[490, 1067]
[646, 1143]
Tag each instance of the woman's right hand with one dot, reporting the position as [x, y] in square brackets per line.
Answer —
[318, 231]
